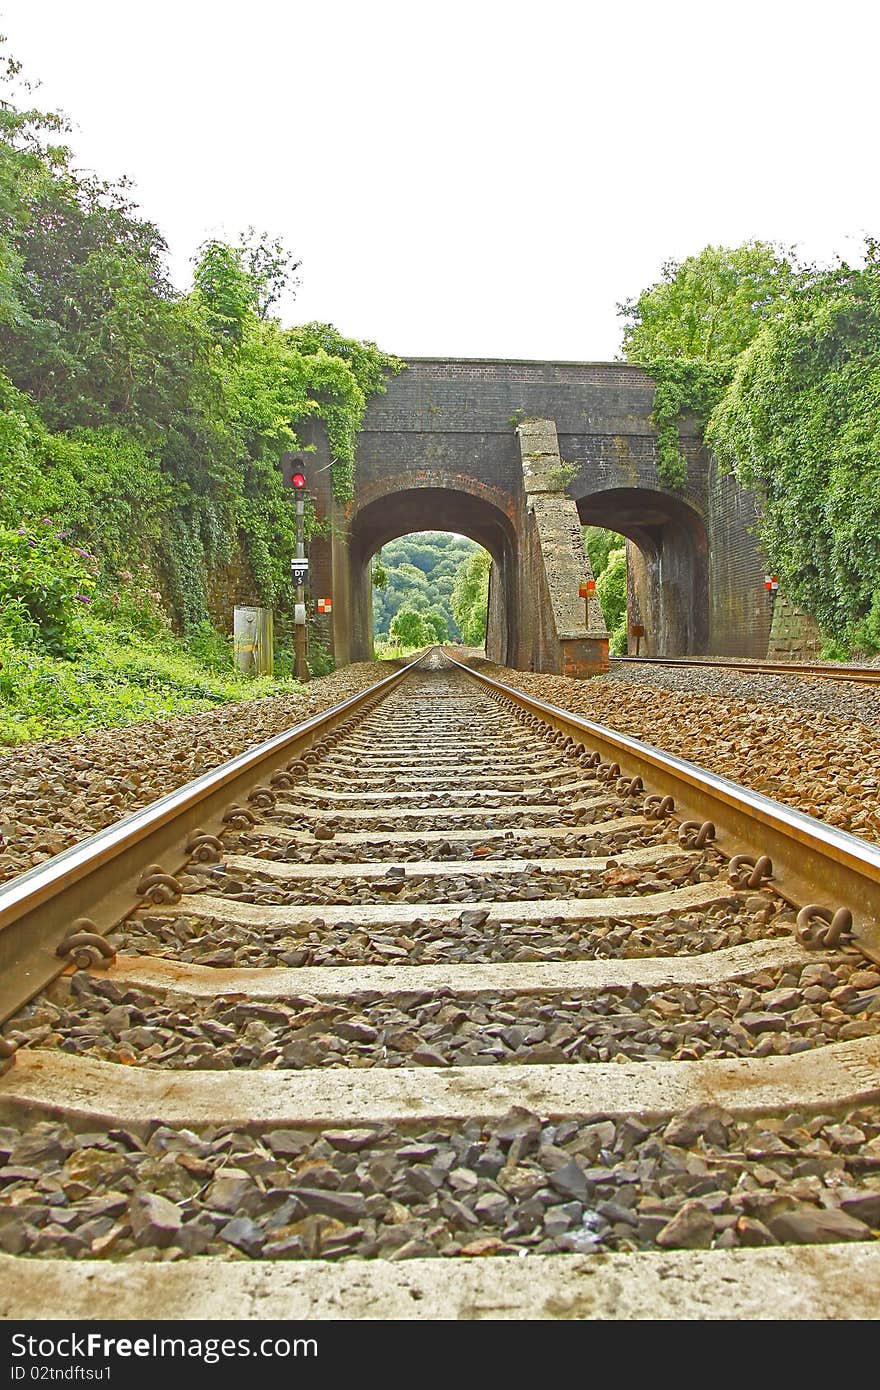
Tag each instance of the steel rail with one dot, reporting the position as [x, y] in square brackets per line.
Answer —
[858, 675]
[811, 859]
[98, 877]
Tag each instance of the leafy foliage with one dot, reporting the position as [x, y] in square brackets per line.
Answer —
[558, 477]
[708, 307]
[410, 629]
[341, 374]
[470, 597]
[43, 582]
[689, 329]
[682, 387]
[801, 423]
[54, 605]
[419, 572]
[599, 544]
[119, 678]
[607, 552]
[611, 592]
[137, 417]
[227, 294]
[437, 626]
[781, 364]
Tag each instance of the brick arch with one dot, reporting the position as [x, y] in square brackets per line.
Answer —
[667, 564]
[469, 429]
[466, 488]
[402, 510]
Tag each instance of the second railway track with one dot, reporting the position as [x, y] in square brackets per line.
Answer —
[450, 1016]
[824, 670]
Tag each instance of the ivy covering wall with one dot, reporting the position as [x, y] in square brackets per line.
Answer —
[688, 330]
[801, 424]
[780, 363]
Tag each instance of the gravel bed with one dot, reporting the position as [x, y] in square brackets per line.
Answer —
[396, 886]
[844, 699]
[553, 796]
[703, 1180]
[770, 1013]
[588, 843]
[507, 775]
[518, 1186]
[810, 743]
[814, 745]
[451, 818]
[476, 937]
[54, 794]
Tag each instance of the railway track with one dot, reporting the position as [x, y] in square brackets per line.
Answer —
[447, 1004]
[858, 675]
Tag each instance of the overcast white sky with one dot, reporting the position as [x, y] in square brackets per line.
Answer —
[473, 179]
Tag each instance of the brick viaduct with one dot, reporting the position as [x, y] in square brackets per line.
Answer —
[476, 447]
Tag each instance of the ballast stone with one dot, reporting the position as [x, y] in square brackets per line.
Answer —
[154, 1220]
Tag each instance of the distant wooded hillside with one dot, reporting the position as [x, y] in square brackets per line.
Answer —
[419, 573]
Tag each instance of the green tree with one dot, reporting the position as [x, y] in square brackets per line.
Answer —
[42, 582]
[143, 418]
[689, 329]
[599, 544]
[611, 592]
[270, 266]
[470, 597]
[709, 306]
[420, 570]
[436, 625]
[410, 629]
[226, 290]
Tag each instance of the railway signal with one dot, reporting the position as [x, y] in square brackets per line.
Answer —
[300, 568]
[771, 583]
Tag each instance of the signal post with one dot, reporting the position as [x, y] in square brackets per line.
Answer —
[300, 567]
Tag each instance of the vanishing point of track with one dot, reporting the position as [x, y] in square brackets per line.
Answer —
[445, 1004]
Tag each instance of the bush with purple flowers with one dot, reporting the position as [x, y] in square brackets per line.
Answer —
[44, 586]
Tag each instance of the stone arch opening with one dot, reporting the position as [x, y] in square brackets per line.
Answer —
[409, 510]
[420, 573]
[667, 566]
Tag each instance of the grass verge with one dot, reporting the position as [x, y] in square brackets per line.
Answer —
[117, 677]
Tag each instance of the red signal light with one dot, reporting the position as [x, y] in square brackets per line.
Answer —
[298, 481]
